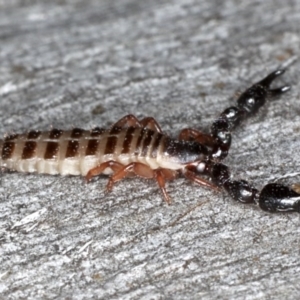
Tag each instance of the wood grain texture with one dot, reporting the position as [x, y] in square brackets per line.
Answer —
[80, 63]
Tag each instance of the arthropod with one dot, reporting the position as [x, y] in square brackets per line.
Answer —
[137, 147]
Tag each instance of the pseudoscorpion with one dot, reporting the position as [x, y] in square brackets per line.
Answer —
[138, 147]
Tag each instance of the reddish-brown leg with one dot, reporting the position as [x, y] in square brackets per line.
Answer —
[132, 121]
[161, 175]
[115, 166]
[169, 174]
[144, 171]
[137, 168]
[193, 177]
[189, 134]
[127, 121]
[151, 124]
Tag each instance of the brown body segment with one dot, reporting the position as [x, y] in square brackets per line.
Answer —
[93, 143]
[127, 140]
[29, 149]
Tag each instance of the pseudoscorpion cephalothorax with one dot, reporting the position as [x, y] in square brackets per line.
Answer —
[140, 147]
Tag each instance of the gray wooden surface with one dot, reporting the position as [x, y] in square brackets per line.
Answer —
[86, 63]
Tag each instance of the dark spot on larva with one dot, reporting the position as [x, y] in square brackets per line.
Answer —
[76, 133]
[29, 149]
[155, 145]
[51, 150]
[138, 144]
[92, 147]
[115, 130]
[111, 145]
[97, 131]
[33, 134]
[127, 140]
[147, 141]
[7, 150]
[72, 149]
[55, 133]
[11, 137]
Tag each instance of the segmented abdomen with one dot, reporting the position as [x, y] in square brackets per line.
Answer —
[77, 151]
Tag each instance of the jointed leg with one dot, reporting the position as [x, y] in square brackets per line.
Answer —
[142, 170]
[115, 166]
[132, 121]
[127, 121]
[189, 134]
[161, 175]
[136, 168]
[151, 124]
[190, 174]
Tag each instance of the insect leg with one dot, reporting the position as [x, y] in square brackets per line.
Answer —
[132, 121]
[115, 166]
[151, 124]
[142, 170]
[127, 121]
[189, 134]
[161, 175]
[191, 173]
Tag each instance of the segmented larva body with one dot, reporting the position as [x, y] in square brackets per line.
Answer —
[77, 151]
[139, 147]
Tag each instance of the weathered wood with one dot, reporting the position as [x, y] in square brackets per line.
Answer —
[87, 63]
